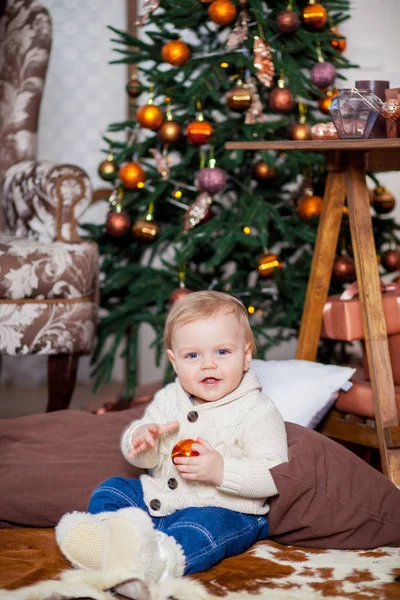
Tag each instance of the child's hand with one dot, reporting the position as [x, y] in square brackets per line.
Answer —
[145, 437]
[207, 467]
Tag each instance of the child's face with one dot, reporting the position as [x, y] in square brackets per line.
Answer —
[209, 356]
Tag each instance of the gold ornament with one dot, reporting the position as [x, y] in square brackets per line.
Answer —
[222, 12]
[309, 207]
[325, 102]
[383, 201]
[175, 53]
[300, 131]
[170, 132]
[146, 230]
[314, 15]
[263, 61]
[267, 265]
[262, 171]
[108, 169]
[150, 116]
[132, 175]
[239, 98]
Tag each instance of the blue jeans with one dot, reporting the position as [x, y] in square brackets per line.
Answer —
[207, 534]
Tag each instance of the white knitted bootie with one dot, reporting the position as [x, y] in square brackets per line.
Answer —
[81, 538]
[124, 538]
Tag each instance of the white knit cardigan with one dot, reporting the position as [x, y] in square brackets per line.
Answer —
[245, 427]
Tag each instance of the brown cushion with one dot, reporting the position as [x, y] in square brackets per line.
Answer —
[51, 463]
[331, 498]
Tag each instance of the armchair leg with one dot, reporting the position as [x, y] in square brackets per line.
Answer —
[61, 376]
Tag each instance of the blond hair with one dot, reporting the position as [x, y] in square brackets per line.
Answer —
[205, 304]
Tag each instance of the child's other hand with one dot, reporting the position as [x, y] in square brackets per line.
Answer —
[145, 436]
[207, 467]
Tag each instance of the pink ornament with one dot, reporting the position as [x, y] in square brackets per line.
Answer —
[212, 180]
[323, 74]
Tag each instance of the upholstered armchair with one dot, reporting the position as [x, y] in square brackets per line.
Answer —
[48, 275]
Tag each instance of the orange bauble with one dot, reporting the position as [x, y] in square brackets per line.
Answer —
[175, 53]
[309, 207]
[300, 131]
[340, 44]
[183, 449]
[132, 175]
[325, 102]
[150, 116]
[199, 132]
[170, 132]
[222, 12]
[267, 265]
[314, 16]
[262, 171]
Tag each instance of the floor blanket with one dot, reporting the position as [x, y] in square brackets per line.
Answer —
[268, 570]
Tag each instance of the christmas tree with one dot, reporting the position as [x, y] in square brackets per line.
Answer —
[185, 213]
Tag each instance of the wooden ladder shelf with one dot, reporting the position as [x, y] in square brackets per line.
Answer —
[347, 162]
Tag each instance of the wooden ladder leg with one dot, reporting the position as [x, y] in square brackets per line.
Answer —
[61, 375]
[377, 348]
[321, 268]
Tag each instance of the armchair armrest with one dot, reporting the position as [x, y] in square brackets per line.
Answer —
[44, 200]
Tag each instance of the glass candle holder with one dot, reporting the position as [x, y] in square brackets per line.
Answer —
[354, 113]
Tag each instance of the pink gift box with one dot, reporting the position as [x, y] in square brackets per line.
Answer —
[342, 319]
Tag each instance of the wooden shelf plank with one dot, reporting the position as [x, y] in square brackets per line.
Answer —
[318, 145]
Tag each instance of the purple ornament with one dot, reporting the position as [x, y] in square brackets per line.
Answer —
[323, 74]
[212, 180]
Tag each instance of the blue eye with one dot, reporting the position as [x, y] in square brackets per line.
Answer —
[222, 352]
[191, 355]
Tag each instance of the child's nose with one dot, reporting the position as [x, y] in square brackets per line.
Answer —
[208, 363]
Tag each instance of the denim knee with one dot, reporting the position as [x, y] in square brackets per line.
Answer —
[116, 493]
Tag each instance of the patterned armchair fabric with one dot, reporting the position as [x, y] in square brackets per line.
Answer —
[48, 275]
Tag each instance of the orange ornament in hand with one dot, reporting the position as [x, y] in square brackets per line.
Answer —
[183, 449]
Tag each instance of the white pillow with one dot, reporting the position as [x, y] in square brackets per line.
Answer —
[303, 391]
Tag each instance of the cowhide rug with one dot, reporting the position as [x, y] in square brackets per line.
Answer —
[269, 571]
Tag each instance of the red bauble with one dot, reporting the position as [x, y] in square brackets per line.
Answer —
[212, 181]
[287, 21]
[179, 294]
[133, 87]
[199, 132]
[344, 269]
[323, 74]
[183, 449]
[281, 100]
[118, 224]
[391, 260]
